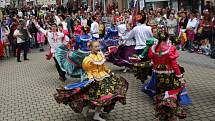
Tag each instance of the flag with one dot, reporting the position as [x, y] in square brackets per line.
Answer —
[135, 12]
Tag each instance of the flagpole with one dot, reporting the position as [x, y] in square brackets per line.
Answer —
[93, 7]
[135, 13]
[104, 5]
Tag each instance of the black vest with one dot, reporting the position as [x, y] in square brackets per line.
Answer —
[24, 33]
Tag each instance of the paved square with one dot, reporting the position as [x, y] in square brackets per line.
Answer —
[27, 89]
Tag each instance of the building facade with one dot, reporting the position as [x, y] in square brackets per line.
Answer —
[121, 4]
[45, 2]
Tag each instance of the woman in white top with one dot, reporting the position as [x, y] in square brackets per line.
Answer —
[191, 31]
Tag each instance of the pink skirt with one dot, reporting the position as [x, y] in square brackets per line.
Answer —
[40, 38]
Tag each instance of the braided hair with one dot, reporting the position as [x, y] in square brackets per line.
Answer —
[161, 38]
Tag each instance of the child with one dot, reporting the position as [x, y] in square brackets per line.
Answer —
[205, 47]
[40, 40]
[104, 89]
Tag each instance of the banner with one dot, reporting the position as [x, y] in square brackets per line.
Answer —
[142, 4]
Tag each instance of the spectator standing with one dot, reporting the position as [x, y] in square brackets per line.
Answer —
[95, 28]
[182, 28]
[191, 31]
[172, 24]
[22, 36]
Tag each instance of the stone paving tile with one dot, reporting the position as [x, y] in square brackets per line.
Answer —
[27, 89]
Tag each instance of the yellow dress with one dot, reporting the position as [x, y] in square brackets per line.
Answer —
[95, 68]
[104, 91]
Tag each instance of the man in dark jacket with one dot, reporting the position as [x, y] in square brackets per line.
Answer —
[22, 36]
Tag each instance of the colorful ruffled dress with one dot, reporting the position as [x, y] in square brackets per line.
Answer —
[123, 53]
[110, 40]
[143, 69]
[104, 91]
[70, 61]
[168, 84]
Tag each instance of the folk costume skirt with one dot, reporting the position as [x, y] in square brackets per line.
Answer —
[104, 93]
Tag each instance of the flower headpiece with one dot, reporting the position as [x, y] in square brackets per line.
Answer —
[139, 17]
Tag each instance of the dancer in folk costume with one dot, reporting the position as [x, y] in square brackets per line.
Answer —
[168, 81]
[101, 91]
[141, 33]
[142, 69]
[71, 60]
[124, 51]
[55, 39]
[111, 40]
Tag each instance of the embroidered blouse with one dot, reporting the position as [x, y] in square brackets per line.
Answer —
[168, 57]
[94, 66]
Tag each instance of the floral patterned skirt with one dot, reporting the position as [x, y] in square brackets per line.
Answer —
[103, 93]
[167, 107]
[142, 70]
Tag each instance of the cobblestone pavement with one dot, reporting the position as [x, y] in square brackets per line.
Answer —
[27, 89]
